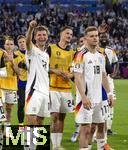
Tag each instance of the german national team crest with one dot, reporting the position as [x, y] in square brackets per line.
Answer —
[58, 53]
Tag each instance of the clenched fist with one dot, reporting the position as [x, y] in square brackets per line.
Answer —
[33, 24]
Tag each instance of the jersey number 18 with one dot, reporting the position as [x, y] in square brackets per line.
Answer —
[96, 69]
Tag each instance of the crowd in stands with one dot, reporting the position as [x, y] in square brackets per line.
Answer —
[13, 22]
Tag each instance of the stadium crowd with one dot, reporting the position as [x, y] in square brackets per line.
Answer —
[14, 22]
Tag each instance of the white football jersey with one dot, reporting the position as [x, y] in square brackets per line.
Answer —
[112, 59]
[111, 55]
[38, 68]
[92, 65]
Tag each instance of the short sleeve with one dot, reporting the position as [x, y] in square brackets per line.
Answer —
[114, 58]
[78, 62]
[103, 64]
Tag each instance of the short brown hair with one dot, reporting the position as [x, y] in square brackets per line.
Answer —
[21, 37]
[41, 28]
[89, 29]
[66, 27]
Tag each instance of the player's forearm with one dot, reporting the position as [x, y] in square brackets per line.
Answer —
[68, 74]
[115, 69]
[105, 83]
[80, 84]
[52, 70]
[15, 68]
[29, 38]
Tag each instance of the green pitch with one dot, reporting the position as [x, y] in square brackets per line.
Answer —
[120, 123]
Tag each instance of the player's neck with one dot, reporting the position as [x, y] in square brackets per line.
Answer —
[63, 44]
[41, 47]
[92, 48]
[103, 45]
[9, 51]
[22, 49]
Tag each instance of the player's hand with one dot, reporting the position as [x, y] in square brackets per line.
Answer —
[8, 56]
[65, 76]
[113, 75]
[69, 75]
[56, 71]
[86, 103]
[33, 24]
[110, 101]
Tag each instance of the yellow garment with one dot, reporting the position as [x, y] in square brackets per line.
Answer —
[23, 69]
[60, 59]
[1, 55]
[9, 82]
[101, 50]
[0, 94]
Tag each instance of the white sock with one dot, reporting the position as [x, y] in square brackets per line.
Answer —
[89, 147]
[77, 129]
[100, 144]
[59, 138]
[54, 139]
[105, 137]
[110, 119]
[109, 123]
[31, 139]
[84, 149]
[94, 136]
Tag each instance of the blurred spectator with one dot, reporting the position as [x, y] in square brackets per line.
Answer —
[14, 23]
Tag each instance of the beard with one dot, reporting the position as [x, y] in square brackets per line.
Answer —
[41, 43]
[104, 43]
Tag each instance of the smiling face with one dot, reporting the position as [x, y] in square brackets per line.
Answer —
[104, 39]
[9, 45]
[41, 35]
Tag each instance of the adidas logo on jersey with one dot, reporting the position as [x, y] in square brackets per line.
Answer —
[90, 62]
[2, 118]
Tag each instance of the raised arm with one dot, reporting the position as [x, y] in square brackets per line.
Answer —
[32, 25]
